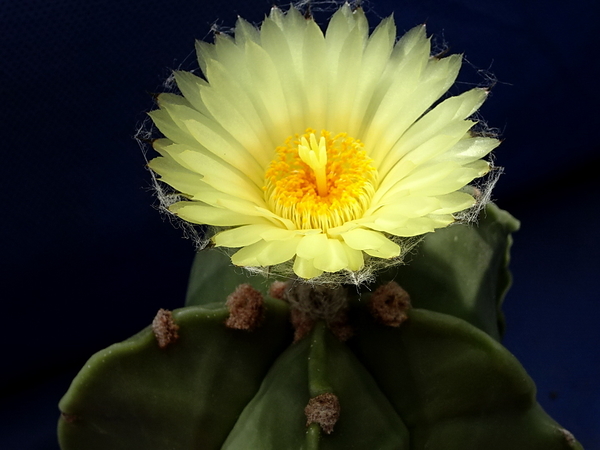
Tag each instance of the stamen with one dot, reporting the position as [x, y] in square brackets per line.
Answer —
[320, 183]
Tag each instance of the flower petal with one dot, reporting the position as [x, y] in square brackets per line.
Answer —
[195, 212]
[332, 257]
[371, 242]
[305, 268]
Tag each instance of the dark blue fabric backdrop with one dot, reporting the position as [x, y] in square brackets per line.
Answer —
[86, 260]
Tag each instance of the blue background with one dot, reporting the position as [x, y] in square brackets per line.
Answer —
[87, 261]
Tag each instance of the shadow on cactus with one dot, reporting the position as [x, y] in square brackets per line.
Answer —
[249, 371]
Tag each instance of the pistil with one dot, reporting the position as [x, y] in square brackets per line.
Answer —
[314, 154]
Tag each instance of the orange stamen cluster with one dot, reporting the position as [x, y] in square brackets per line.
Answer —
[295, 192]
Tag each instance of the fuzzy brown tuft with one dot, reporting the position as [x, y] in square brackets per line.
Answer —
[165, 328]
[323, 410]
[246, 308]
[302, 324]
[278, 289]
[341, 329]
[389, 304]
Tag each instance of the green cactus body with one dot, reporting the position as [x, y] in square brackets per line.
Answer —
[439, 381]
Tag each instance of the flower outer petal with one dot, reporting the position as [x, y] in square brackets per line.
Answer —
[450, 110]
[240, 236]
[178, 177]
[332, 257]
[195, 212]
[342, 87]
[169, 128]
[454, 202]
[405, 103]
[375, 59]
[355, 258]
[235, 122]
[245, 31]
[412, 227]
[314, 54]
[211, 136]
[408, 207]
[220, 176]
[277, 252]
[305, 268]
[248, 256]
[447, 138]
[264, 253]
[190, 86]
[371, 242]
[469, 150]
[413, 181]
[311, 245]
[267, 84]
[458, 179]
[278, 233]
[275, 42]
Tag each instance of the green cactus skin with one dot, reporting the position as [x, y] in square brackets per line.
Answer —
[440, 381]
[134, 395]
[318, 364]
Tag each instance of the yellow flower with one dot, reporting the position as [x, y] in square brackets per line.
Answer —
[321, 151]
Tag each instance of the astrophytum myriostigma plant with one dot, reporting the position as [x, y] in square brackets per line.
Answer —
[319, 160]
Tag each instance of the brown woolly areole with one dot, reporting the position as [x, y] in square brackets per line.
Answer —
[389, 304]
[302, 324]
[309, 304]
[277, 289]
[323, 410]
[246, 308]
[165, 328]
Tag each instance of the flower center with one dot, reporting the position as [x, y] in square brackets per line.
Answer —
[320, 182]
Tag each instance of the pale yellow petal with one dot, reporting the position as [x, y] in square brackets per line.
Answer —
[454, 202]
[311, 245]
[468, 150]
[238, 92]
[406, 103]
[355, 258]
[205, 52]
[170, 129]
[240, 236]
[264, 253]
[374, 61]
[245, 31]
[342, 88]
[195, 212]
[178, 177]
[450, 110]
[289, 71]
[215, 139]
[408, 206]
[314, 55]
[267, 86]
[416, 226]
[190, 86]
[305, 268]
[371, 242]
[332, 257]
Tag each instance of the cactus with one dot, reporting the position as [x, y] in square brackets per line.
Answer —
[242, 367]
